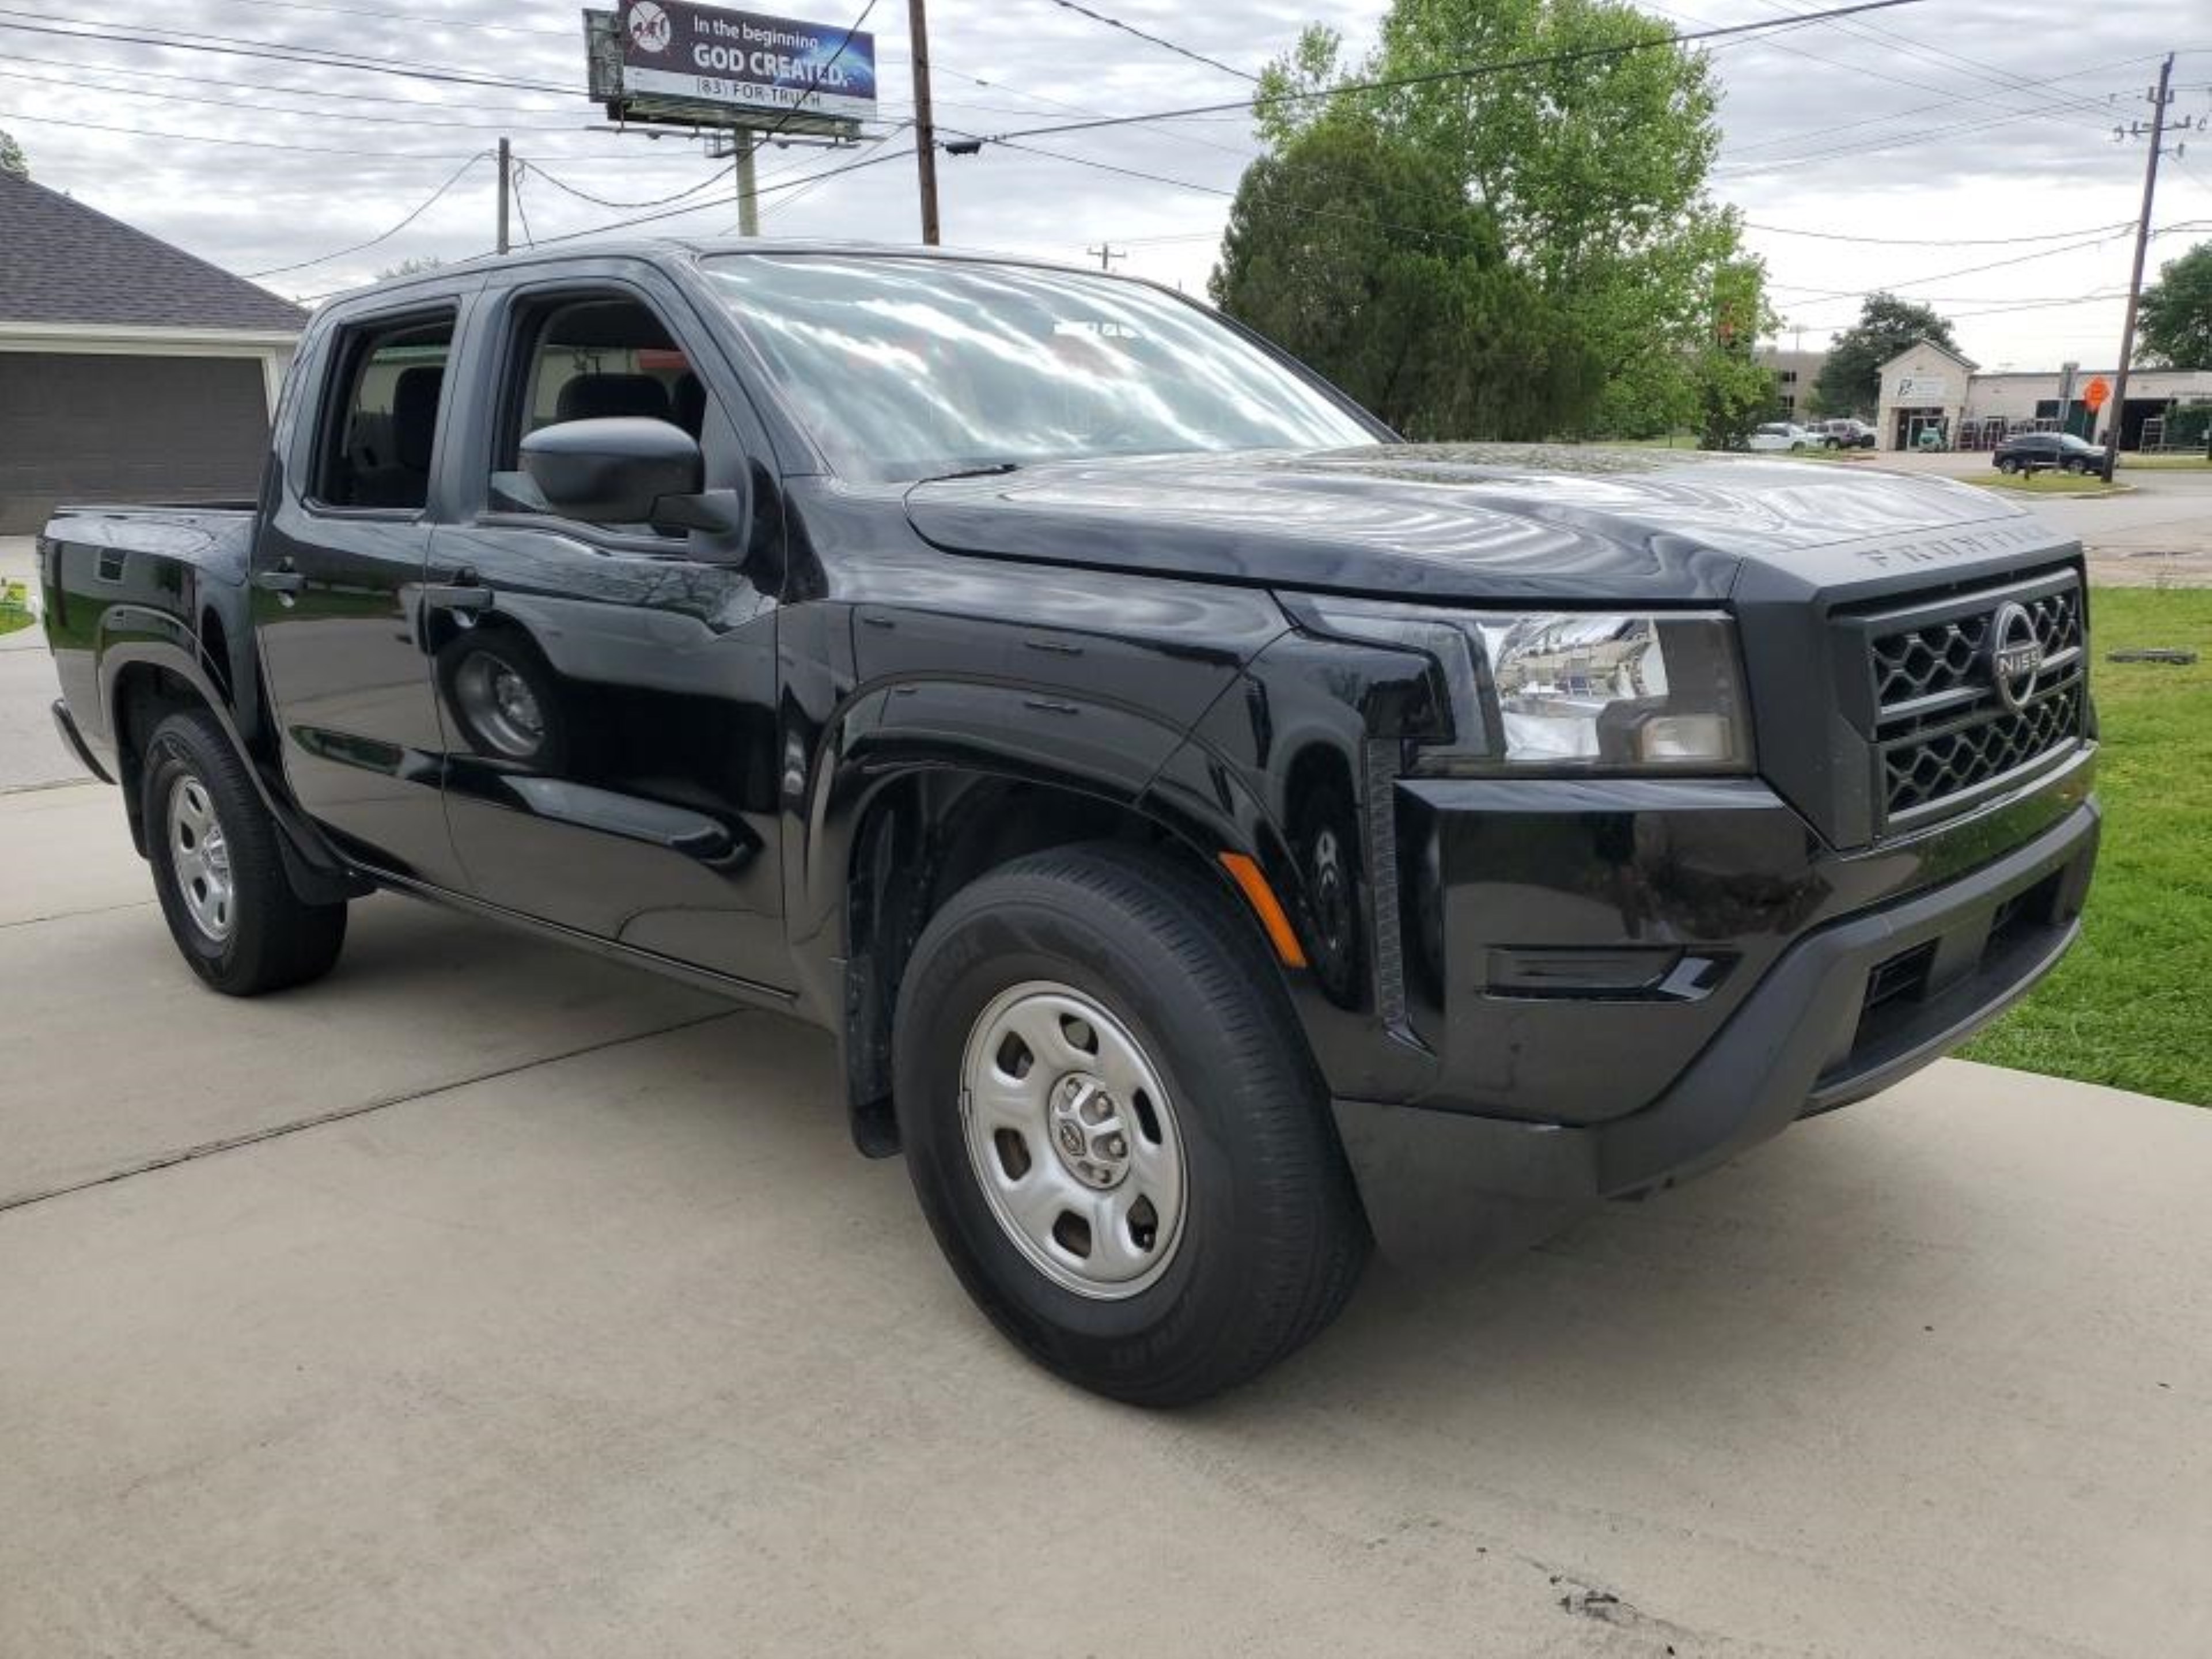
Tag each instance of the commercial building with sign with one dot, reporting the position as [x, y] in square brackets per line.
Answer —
[1929, 388]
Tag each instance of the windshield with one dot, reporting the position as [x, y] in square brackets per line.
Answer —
[904, 369]
[2070, 441]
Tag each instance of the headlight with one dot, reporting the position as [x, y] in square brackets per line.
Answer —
[1564, 691]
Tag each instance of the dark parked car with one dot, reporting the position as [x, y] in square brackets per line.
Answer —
[1207, 825]
[2038, 452]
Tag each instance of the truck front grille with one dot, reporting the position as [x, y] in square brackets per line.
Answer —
[1959, 712]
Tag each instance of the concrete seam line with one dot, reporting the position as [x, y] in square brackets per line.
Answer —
[71, 915]
[339, 1114]
[52, 783]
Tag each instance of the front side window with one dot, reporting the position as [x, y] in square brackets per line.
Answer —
[389, 381]
[903, 368]
[586, 358]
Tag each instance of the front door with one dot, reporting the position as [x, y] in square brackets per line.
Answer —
[337, 568]
[608, 700]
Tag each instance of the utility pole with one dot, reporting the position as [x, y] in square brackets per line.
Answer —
[1107, 253]
[506, 189]
[2159, 97]
[925, 128]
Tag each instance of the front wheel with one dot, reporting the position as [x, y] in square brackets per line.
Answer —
[2008, 466]
[217, 870]
[1115, 1130]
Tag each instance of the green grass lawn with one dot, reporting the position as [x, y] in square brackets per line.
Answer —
[12, 620]
[2167, 463]
[2131, 1006]
[2052, 483]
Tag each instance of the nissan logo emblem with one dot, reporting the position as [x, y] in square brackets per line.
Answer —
[2015, 654]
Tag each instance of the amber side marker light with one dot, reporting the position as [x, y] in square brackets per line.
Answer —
[1266, 906]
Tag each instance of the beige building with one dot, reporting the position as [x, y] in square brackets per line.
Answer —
[1794, 371]
[1929, 386]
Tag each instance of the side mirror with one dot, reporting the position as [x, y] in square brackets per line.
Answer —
[612, 471]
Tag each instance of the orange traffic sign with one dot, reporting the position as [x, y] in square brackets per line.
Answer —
[2095, 393]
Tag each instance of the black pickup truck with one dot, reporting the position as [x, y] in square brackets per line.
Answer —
[1198, 814]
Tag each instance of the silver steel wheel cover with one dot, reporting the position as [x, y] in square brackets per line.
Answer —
[199, 858]
[1072, 1141]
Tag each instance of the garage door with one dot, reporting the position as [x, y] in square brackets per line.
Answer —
[75, 427]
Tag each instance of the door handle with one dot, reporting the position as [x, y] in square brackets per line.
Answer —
[279, 582]
[456, 596]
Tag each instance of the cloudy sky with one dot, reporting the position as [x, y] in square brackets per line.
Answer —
[1906, 150]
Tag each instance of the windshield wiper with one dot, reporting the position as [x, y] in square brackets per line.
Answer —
[988, 470]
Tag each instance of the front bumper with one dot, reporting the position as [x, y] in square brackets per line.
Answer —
[1829, 987]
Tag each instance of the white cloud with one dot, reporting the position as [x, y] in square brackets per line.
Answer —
[1921, 122]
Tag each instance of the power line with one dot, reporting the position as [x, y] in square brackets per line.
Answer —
[132, 72]
[438, 19]
[1965, 270]
[814, 83]
[1173, 136]
[245, 143]
[351, 117]
[1156, 40]
[1937, 241]
[105, 31]
[422, 208]
[694, 207]
[562, 185]
[1462, 72]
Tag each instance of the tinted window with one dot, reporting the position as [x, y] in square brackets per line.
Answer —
[586, 358]
[387, 384]
[904, 368]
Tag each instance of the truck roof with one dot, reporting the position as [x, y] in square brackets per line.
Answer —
[695, 247]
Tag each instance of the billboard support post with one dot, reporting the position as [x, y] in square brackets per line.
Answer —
[747, 186]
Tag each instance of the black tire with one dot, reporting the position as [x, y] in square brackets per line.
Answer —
[269, 939]
[2007, 466]
[2077, 468]
[1273, 1237]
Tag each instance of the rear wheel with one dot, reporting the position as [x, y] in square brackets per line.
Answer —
[2007, 465]
[1114, 1128]
[217, 870]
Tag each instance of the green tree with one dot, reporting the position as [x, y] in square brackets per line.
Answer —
[1361, 254]
[1735, 391]
[12, 159]
[2173, 330]
[1850, 380]
[1596, 168]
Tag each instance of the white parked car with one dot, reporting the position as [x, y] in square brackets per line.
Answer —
[1785, 435]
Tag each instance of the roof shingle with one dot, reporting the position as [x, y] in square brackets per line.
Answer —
[63, 262]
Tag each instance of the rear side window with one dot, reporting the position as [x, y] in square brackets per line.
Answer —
[381, 427]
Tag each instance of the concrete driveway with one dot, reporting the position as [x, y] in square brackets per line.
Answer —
[488, 1299]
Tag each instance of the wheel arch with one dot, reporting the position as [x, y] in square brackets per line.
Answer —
[921, 834]
[145, 680]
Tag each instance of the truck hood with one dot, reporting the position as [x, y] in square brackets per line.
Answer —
[1475, 522]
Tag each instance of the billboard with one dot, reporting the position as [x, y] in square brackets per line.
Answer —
[748, 63]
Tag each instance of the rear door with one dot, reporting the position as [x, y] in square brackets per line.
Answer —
[608, 692]
[338, 573]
